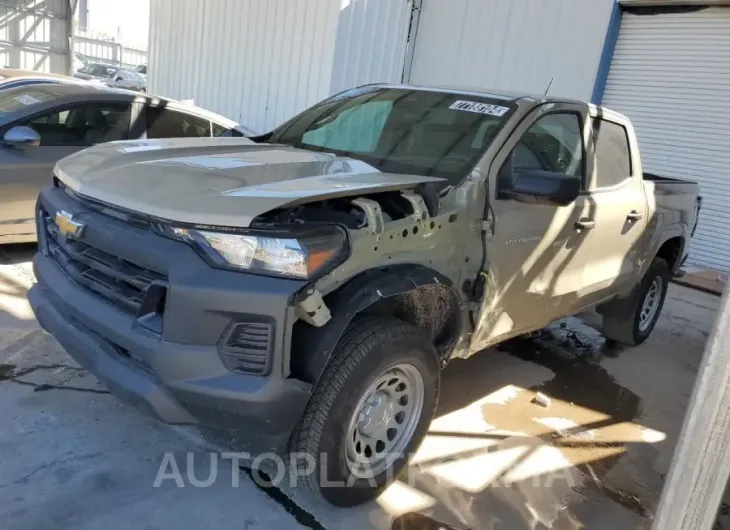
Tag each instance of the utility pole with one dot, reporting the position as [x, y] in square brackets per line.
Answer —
[701, 463]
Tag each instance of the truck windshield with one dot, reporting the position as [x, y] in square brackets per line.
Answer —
[398, 130]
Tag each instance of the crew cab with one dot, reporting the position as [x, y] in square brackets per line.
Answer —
[305, 288]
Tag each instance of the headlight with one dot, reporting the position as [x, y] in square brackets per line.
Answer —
[302, 257]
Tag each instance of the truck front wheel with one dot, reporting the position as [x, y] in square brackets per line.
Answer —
[369, 412]
[631, 320]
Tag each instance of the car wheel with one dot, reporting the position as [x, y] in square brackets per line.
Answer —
[369, 412]
[631, 320]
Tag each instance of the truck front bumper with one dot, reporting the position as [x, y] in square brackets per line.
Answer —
[177, 375]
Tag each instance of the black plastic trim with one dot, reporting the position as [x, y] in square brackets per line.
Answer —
[346, 303]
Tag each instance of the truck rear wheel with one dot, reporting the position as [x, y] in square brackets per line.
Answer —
[369, 412]
[631, 320]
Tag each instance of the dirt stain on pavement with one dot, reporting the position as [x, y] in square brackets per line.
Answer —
[582, 411]
[7, 371]
[417, 521]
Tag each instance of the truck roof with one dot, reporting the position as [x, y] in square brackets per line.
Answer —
[506, 95]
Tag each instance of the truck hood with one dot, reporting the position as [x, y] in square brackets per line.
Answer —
[218, 181]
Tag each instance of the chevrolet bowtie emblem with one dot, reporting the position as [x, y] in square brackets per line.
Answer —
[68, 226]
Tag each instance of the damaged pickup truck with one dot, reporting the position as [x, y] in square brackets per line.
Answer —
[305, 288]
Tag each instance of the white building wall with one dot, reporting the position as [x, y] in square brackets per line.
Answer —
[512, 44]
[371, 42]
[33, 35]
[257, 62]
[260, 62]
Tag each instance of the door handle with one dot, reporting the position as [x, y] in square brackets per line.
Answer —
[585, 224]
[633, 215]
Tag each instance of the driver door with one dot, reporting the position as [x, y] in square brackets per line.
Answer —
[535, 261]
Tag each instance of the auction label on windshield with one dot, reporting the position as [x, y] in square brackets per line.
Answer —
[479, 108]
[26, 99]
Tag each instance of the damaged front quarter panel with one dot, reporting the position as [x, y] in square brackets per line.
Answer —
[414, 238]
[400, 243]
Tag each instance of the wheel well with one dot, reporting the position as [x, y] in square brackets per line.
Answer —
[432, 308]
[670, 251]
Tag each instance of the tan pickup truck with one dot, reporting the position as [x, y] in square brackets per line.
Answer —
[303, 289]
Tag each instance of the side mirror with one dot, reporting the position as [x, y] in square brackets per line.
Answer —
[536, 186]
[21, 136]
[118, 79]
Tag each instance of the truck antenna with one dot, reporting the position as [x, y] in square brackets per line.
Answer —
[548, 87]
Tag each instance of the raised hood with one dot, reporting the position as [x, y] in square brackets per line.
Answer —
[217, 181]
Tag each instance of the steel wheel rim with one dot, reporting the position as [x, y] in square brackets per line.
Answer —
[650, 306]
[384, 421]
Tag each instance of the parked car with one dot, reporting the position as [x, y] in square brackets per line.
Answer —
[303, 289]
[15, 77]
[112, 76]
[41, 124]
[79, 61]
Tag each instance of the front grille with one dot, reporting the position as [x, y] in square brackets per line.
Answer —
[132, 288]
[246, 347]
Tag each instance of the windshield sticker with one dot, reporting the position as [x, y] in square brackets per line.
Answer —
[479, 108]
[25, 99]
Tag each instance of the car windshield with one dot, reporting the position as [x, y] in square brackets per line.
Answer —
[400, 130]
[100, 70]
[17, 99]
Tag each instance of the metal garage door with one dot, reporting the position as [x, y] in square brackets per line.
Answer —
[670, 75]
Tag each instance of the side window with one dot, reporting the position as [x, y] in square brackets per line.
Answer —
[224, 132]
[357, 129]
[167, 123]
[82, 125]
[613, 157]
[553, 143]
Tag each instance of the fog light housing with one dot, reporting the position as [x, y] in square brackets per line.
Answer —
[246, 346]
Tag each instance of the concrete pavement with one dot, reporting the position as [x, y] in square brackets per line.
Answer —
[73, 456]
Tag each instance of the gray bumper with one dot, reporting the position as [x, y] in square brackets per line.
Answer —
[262, 410]
[177, 376]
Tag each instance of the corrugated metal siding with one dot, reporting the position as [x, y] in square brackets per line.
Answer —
[512, 44]
[671, 76]
[33, 35]
[256, 62]
[371, 42]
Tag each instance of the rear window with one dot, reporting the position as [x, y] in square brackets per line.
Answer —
[421, 132]
[613, 157]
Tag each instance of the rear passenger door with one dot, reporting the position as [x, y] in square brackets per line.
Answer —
[620, 212]
[164, 122]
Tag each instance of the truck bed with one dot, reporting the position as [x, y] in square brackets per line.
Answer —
[677, 200]
[668, 180]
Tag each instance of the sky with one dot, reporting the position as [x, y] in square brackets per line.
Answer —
[128, 19]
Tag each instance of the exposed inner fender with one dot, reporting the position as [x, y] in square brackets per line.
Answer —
[409, 290]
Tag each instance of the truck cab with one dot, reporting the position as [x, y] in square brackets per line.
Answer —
[304, 288]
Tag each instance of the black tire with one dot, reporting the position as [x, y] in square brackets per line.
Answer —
[367, 349]
[622, 317]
